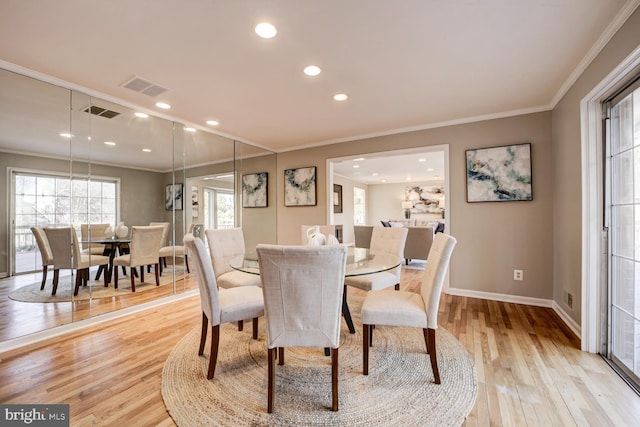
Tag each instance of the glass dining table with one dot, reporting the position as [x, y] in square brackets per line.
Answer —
[359, 262]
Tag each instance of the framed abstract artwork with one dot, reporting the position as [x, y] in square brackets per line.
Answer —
[300, 186]
[254, 190]
[173, 197]
[337, 198]
[499, 174]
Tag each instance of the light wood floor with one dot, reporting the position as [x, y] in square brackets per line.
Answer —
[530, 368]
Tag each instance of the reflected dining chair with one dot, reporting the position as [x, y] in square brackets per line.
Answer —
[173, 251]
[144, 250]
[220, 305]
[302, 287]
[68, 255]
[225, 245]
[402, 308]
[93, 232]
[45, 252]
[386, 243]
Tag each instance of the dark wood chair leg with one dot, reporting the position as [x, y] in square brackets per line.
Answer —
[78, 282]
[334, 378]
[371, 328]
[133, 283]
[142, 274]
[100, 268]
[281, 356]
[106, 276]
[431, 334]
[44, 276]
[56, 276]
[365, 349]
[270, 378]
[240, 325]
[397, 286]
[115, 278]
[203, 333]
[215, 340]
[186, 263]
[157, 276]
[255, 328]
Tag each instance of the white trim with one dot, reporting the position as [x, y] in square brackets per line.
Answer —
[572, 324]
[37, 337]
[591, 160]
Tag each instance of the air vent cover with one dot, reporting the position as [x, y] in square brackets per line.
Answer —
[99, 111]
[141, 85]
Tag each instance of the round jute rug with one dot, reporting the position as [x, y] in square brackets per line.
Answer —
[398, 391]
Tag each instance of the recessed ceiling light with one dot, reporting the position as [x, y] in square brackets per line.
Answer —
[266, 30]
[163, 105]
[312, 70]
[422, 160]
[384, 180]
[190, 129]
[359, 159]
[229, 175]
[142, 115]
[408, 178]
[212, 123]
[66, 135]
[340, 97]
[111, 143]
[375, 174]
[146, 150]
[356, 166]
[429, 169]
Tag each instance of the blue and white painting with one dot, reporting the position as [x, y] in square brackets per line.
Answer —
[300, 186]
[499, 174]
[254, 190]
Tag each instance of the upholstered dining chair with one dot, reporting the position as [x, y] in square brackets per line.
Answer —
[386, 243]
[220, 305]
[45, 252]
[144, 250]
[68, 255]
[302, 287]
[402, 308]
[173, 251]
[93, 231]
[225, 245]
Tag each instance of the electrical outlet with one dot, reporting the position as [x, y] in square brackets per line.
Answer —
[569, 300]
[517, 274]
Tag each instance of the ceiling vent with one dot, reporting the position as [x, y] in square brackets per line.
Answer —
[102, 112]
[144, 86]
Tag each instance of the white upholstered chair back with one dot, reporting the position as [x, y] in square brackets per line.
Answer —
[302, 287]
[209, 297]
[388, 243]
[434, 275]
[224, 245]
[43, 245]
[145, 245]
[165, 231]
[93, 232]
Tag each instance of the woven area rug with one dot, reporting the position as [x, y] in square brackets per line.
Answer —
[398, 391]
[95, 289]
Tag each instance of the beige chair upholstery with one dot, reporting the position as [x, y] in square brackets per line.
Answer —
[171, 251]
[220, 306]
[419, 310]
[362, 235]
[225, 245]
[93, 232]
[302, 288]
[418, 244]
[66, 252]
[324, 229]
[45, 252]
[144, 249]
[386, 243]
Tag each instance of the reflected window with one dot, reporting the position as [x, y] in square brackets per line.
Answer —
[359, 206]
[219, 208]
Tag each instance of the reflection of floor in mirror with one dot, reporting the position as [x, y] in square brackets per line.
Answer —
[22, 318]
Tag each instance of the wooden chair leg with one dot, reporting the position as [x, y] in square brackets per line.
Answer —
[280, 356]
[371, 328]
[133, 283]
[270, 379]
[78, 282]
[106, 279]
[203, 333]
[157, 276]
[56, 276]
[186, 263]
[397, 286]
[334, 378]
[142, 274]
[365, 349]
[255, 328]
[215, 340]
[44, 276]
[431, 335]
[115, 277]
[240, 325]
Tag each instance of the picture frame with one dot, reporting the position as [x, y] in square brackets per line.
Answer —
[300, 186]
[255, 190]
[337, 198]
[173, 197]
[499, 174]
[194, 201]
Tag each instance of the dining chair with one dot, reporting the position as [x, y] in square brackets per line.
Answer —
[410, 309]
[45, 252]
[386, 243]
[92, 232]
[144, 250]
[220, 305]
[302, 287]
[173, 251]
[225, 245]
[68, 255]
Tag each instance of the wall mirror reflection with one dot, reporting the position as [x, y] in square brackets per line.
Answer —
[100, 169]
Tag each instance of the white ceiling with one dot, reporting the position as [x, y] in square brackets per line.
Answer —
[409, 64]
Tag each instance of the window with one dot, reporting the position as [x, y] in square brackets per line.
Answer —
[359, 206]
[43, 200]
[219, 208]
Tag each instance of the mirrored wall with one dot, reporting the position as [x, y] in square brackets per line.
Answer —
[73, 160]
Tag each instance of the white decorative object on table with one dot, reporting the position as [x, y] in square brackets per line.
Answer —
[314, 237]
[332, 240]
[122, 230]
[108, 232]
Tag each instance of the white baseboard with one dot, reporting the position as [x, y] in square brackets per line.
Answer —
[537, 302]
[4, 275]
